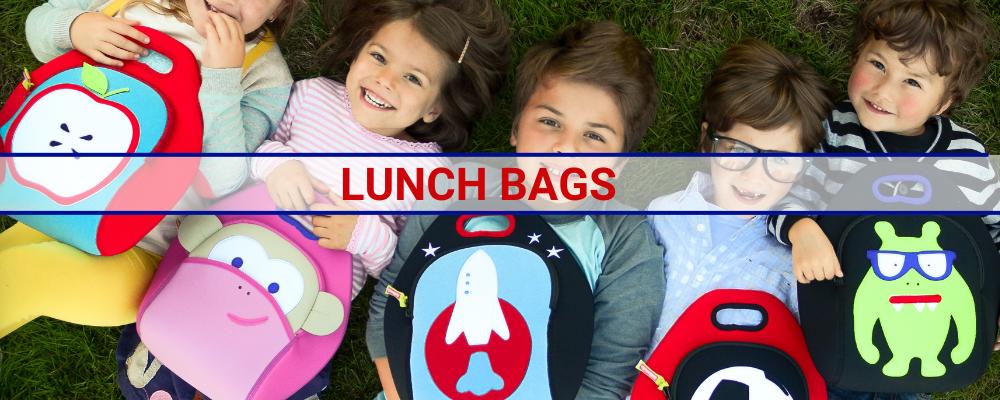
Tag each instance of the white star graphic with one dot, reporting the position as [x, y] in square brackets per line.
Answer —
[429, 251]
[553, 252]
[533, 238]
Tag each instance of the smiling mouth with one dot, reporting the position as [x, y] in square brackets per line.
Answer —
[557, 172]
[747, 195]
[875, 108]
[246, 321]
[374, 100]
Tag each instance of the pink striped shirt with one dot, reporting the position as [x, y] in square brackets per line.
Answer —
[319, 120]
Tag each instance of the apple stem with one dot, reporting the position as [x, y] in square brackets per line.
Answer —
[114, 92]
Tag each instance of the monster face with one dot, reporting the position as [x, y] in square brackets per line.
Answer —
[914, 291]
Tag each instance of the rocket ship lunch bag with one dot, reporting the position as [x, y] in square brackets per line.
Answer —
[72, 106]
[702, 359]
[489, 314]
[246, 306]
[916, 310]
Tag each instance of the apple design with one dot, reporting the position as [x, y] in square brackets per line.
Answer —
[72, 119]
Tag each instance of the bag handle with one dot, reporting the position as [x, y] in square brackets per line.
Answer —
[259, 49]
[897, 180]
[735, 327]
[460, 228]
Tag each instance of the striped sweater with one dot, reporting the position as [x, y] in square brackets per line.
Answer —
[319, 120]
[975, 178]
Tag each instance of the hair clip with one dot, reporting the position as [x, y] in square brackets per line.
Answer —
[464, 49]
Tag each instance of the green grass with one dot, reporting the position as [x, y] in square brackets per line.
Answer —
[50, 359]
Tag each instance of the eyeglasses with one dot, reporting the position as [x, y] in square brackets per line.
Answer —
[933, 265]
[779, 168]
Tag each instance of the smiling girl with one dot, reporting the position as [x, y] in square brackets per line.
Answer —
[414, 75]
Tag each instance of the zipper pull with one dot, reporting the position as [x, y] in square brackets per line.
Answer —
[399, 296]
[659, 380]
[26, 82]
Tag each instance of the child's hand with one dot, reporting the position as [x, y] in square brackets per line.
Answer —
[292, 188]
[813, 257]
[225, 43]
[106, 39]
[334, 231]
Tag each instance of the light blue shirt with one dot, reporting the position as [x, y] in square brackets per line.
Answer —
[697, 261]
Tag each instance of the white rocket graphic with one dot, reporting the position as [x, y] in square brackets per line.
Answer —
[477, 308]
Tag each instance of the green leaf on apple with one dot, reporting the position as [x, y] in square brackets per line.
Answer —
[95, 80]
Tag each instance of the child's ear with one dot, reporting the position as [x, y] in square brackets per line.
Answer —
[513, 137]
[945, 106]
[703, 137]
[433, 114]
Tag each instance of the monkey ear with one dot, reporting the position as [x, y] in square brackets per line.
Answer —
[195, 229]
[326, 316]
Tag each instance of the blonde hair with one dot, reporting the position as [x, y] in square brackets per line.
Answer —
[279, 26]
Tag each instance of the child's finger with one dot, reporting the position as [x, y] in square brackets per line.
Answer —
[132, 47]
[235, 30]
[103, 59]
[837, 271]
[307, 194]
[129, 31]
[318, 185]
[808, 274]
[211, 34]
[113, 51]
[220, 25]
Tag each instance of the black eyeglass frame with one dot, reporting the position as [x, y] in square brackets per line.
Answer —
[715, 137]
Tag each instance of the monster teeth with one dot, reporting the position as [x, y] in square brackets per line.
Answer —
[919, 306]
[932, 306]
[897, 306]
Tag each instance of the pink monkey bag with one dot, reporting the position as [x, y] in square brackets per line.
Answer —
[246, 306]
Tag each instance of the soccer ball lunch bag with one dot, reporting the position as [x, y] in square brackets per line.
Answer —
[701, 358]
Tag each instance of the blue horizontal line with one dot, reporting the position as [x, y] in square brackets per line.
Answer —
[494, 212]
[493, 155]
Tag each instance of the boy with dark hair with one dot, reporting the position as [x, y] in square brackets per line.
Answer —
[913, 60]
[757, 100]
[563, 107]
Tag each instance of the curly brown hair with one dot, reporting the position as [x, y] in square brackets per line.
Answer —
[469, 87]
[954, 33]
[599, 54]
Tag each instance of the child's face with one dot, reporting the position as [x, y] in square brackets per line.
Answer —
[563, 116]
[891, 96]
[752, 188]
[250, 14]
[395, 80]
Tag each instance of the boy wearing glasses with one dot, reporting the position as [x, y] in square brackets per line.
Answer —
[757, 100]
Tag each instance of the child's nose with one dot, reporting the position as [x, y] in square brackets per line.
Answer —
[384, 78]
[563, 144]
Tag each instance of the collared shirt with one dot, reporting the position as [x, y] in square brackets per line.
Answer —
[696, 261]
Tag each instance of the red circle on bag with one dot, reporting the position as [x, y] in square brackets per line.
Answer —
[508, 359]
